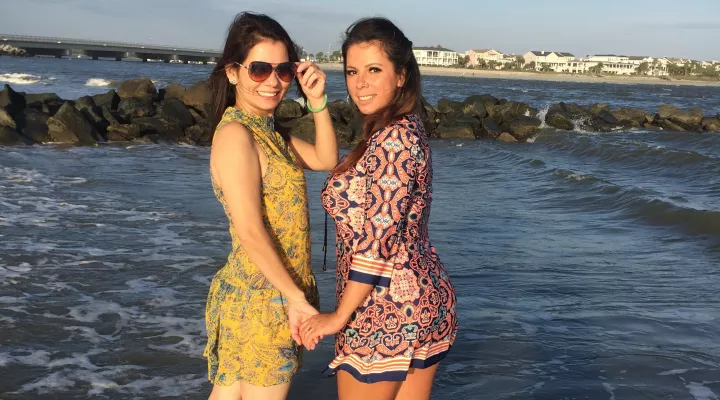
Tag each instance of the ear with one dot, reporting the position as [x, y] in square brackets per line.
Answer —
[231, 71]
[401, 78]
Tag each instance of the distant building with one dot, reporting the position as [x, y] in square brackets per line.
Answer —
[550, 59]
[484, 54]
[435, 56]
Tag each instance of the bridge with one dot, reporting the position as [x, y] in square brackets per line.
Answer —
[96, 49]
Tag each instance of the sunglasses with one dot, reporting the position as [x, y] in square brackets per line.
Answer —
[261, 70]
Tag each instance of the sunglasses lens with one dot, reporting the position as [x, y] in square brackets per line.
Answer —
[259, 71]
[286, 71]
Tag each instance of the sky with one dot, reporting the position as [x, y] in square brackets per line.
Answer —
[657, 28]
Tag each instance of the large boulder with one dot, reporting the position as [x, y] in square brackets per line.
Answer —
[289, 109]
[488, 128]
[172, 109]
[201, 133]
[508, 111]
[71, 126]
[506, 137]
[303, 128]
[32, 123]
[668, 125]
[6, 119]
[36, 100]
[478, 105]
[11, 100]
[340, 111]
[137, 88]
[135, 107]
[93, 113]
[711, 124]
[52, 107]
[9, 136]
[689, 120]
[458, 128]
[173, 91]
[637, 117]
[446, 106]
[109, 99]
[123, 132]
[164, 129]
[559, 120]
[598, 108]
[198, 97]
[522, 127]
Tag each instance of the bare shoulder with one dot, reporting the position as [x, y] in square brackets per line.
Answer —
[232, 138]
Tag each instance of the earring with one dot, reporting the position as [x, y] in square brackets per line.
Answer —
[348, 99]
[232, 82]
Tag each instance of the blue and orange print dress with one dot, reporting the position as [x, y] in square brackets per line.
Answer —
[381, 209]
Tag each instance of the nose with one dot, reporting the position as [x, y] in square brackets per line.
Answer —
[360, 82]
[273, 80]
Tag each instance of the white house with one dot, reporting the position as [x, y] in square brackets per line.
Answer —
[435, 56]
[552, 59]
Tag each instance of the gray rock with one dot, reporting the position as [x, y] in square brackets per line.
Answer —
[490, 128]
[137, 88]
[711, 124]
[11, 100]
[458, 128]
[599, 108]
[446, 106]
[7, 120]
[164, 129]
[71, 126]
[135, 107]
[522, 127]
[506, 137]
[174, 91]
[508, 111]
[123, 132]
[36, 100]
[289, 109]
[109, 99]
[631, 114]
[198, 97]
[560, 120]
[172, 109]
[33, 124]
[668, 125]
[9, 137]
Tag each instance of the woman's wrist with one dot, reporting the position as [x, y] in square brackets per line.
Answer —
[317, 104]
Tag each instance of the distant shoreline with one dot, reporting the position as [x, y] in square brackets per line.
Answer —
[553, 77]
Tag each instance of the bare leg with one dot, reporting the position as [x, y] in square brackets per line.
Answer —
[245, 391]
[418, 384]
[350, 388]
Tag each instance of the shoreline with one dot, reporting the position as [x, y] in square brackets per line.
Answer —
[547, 77]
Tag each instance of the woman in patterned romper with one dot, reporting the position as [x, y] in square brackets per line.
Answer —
[258, 299]
[395, 319]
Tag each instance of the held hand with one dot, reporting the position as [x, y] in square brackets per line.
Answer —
[317, 327]
[312, 82]
[298, 312]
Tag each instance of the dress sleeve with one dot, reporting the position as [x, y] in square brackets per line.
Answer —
[391, 169]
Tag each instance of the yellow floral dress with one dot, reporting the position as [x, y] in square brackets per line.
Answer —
[246, 317]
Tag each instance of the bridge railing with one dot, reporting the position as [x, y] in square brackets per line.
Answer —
[59, 40]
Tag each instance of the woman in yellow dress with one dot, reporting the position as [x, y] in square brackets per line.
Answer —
[267, 288]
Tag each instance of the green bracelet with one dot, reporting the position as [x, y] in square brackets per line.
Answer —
[324, 104]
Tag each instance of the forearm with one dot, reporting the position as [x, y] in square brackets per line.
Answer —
[262, 252]
[353, 296]
[326, 147]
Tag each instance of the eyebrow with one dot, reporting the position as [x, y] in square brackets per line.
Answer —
[369, 65]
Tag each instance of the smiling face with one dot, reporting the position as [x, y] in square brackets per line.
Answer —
[370, 77]
[260, 97]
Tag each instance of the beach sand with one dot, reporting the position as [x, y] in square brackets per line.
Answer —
[536, 76]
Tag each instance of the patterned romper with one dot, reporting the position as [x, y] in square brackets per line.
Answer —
[246, 318]
[381, 209]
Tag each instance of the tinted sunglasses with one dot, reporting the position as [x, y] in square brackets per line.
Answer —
[261, 70]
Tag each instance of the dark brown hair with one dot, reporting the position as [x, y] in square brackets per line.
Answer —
[397, 48]
[247, 30]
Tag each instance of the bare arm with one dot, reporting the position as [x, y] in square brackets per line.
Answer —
[323, 155]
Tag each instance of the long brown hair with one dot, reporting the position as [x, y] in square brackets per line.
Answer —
[398, 48]
[247, 30]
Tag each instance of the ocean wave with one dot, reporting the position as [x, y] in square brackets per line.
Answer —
[20, 79]
[100, 82]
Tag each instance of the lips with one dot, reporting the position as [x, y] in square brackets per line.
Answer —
[366, 98]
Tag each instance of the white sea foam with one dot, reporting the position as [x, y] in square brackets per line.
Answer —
[99, 82]
[701, 392]
[20, 79]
